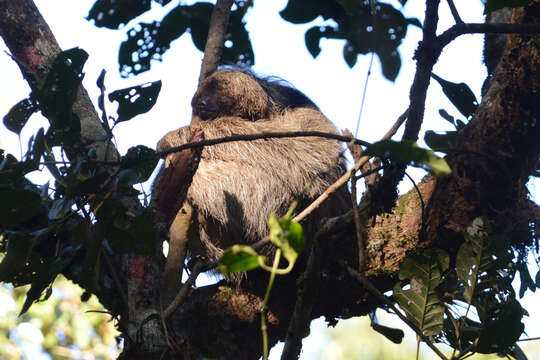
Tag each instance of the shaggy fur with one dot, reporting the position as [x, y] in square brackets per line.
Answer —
[238, 184]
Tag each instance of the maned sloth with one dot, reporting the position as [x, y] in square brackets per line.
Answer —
[238, 184]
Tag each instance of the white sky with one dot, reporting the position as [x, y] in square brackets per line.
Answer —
[279, 50]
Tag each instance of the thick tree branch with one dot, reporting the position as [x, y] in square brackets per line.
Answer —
[216, 37]
[462, 28]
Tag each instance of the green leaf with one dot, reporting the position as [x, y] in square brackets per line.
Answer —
[287, 235]
[460, 95]
[408, 152]
[135, 100]
[420, 302]
[482, 266]
[18, 206]
[493, 5]
[19, 114]
[239, 258]
[394, 335]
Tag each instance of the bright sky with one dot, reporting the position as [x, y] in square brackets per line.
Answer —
[279, 50]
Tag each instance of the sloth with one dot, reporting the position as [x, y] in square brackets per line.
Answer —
[239, 184]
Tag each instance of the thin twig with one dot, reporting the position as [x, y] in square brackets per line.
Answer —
[473, 28]
[400, 120]
[249, 137]
[454, 12]
[419, 196]
[358, 226]
[307, 295]
[372, 289]
[364, 95]
[199, 268]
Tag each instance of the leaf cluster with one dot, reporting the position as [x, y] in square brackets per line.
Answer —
[366, 27]
[60, 227]
[467, 302]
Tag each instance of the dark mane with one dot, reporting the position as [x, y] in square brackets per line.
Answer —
[282, 93]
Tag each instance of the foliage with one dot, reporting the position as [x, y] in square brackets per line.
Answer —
[48, 229]
[366, 28]
[482, 279]
[63, 326]
[408, 152]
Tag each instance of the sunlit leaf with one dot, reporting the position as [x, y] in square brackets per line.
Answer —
[408, 152]
[239, 258]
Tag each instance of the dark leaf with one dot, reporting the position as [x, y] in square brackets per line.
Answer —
[459, 125]
[313, 37]
[141, 46]
[367, 27]
[537, 279]
[350, 54]
[137, 165]
[501, 332]
[446, 116]
[18, 206]
[301, 11]
[239, 258]
[517, 353]
[441, 142]
[148, 41]
[62, 82]
[526, 280]
[115, 13]
[407, 152]
[43, 282]
[135, 100]
[391, 63]
[36, 148]
[237, 48]
[14, 264]
[493, 5]
[60, 208]
[91, 185]
[143, 231]
[460, 95]
[394, 335]
[19, 114]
